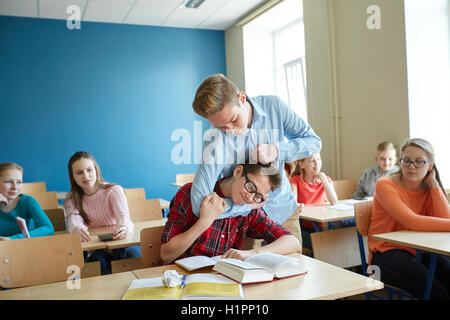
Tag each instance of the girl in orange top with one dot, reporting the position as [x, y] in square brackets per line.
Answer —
[413, 199]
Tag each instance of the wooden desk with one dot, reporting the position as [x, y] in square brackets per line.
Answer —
[322, 282]
[322, 213]
[109, 287]
[134, 239]
[437, 243]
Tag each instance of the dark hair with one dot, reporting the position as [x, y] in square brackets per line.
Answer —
[76, 193]
[270, 170]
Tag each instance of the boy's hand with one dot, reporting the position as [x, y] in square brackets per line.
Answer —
[265, 153]
[238, 254]
[212, 206]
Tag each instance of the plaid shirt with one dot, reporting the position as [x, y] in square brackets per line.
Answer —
[223, 234]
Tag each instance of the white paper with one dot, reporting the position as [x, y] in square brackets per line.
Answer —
[23, 226]
[342, 207]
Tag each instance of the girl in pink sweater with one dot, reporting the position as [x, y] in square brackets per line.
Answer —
[91, 203]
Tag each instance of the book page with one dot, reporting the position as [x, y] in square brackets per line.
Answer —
[151, 289]
[23, 226]
[196, 262]
[242, 264]
[342, 207]
[270, 260]
[202, 284]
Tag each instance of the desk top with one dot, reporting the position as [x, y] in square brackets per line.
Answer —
[133, 239]
[323, 281]
[322, 213]
[109, 287]
[178, 184]
[437, 242]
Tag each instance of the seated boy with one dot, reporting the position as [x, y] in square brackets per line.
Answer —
[386, 165]
[187, 235]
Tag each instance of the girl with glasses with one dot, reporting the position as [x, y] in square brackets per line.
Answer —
[413, 199]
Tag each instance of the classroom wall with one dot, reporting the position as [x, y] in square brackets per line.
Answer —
[356, 80]
[117, 91]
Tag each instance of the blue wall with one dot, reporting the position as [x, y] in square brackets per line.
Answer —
[117, 91]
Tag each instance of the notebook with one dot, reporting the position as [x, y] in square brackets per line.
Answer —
[197, 262]
[200, 286]
[260, 268]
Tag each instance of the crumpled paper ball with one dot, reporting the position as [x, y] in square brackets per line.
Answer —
[171, 278]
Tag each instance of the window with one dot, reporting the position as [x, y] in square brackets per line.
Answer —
[274, 55]
[428, 62]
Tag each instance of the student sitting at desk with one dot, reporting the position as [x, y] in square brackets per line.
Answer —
[186, 235]
[14, 204]
[413, 199]
[311, 186]
[386, 160]
[92, 203]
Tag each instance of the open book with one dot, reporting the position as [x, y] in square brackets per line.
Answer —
[198, 286]
[197, 262]
[260, 267]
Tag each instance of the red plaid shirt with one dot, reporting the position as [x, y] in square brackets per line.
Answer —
[223, 234]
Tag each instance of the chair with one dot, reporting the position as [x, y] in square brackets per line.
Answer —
[124, 265]
[344, 188]
[30, 188]
[57, 218]
[91, 269]
[151, 246]
[183, 178]
[40, 260]
[363, 216]
[145, 209]
[135, 194]
[47, 200]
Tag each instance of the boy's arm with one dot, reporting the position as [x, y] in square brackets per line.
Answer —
[280, 240]
[360, 192]
[284, 245]
[302, 140]
[205, 179]
[212, 206]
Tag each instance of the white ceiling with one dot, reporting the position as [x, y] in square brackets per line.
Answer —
[212, 14]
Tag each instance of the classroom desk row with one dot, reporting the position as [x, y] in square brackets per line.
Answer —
[133, 239]
[322, 282]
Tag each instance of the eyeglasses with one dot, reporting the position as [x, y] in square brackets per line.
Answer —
[251, 188]
[418, 163]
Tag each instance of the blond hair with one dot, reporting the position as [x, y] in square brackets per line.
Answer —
[214, 92]
[9, 166]
[386, 146]
[428, 148]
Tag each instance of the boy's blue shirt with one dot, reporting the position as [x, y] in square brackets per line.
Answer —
[274, 122]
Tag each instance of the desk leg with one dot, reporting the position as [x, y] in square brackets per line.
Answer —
[430, 276]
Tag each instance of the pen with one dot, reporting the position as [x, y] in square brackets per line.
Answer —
[183, 281]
